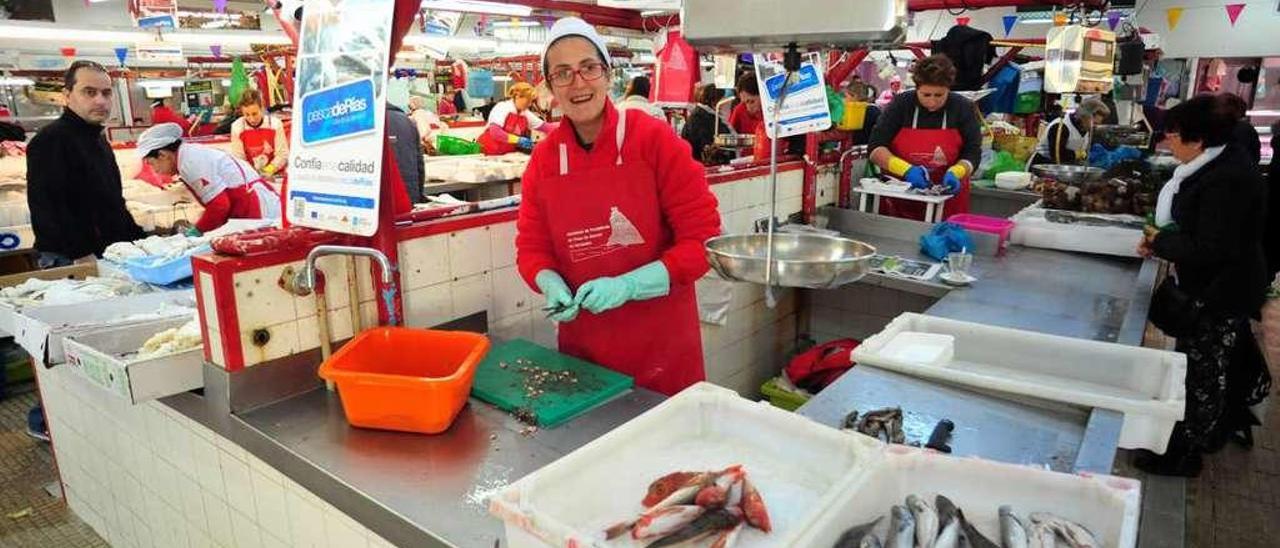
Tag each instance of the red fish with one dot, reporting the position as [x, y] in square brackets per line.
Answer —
[662, 487]
[665, 522]
[717, 495]
[753, 507]
[711, 497]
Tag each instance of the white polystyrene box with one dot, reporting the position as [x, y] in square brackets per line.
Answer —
[931, 349]
[1146, 385]
[799, 466]
[1106, 505]
[1032, 229]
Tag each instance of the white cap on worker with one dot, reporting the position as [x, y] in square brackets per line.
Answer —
[157, 137]
[573, 26]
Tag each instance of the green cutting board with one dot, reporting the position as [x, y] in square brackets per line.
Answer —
[559, 402]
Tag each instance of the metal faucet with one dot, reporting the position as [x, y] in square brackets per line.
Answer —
[304, 281]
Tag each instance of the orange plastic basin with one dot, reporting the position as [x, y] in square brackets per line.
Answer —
[411, 380]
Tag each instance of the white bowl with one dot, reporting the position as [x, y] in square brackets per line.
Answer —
[1013, 180]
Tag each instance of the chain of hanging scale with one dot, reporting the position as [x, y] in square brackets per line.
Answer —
[769, 299]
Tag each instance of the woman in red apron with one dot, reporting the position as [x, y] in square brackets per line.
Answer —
[511, 123]
[259, 138]
[612, 225]
[227, 187]
[929, 137]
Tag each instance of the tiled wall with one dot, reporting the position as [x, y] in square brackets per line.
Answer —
[860, 310]
[147, 476]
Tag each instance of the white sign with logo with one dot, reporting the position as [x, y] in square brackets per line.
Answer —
[335, 153]
[805, 108]
[160, 51]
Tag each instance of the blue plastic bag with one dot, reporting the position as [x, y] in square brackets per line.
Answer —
[945, 238]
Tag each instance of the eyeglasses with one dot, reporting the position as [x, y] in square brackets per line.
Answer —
[564, 77]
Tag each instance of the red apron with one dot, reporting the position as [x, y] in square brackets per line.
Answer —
[246, 201]
[606, 221]
[936, 150]
[515, 124]
[259, 141]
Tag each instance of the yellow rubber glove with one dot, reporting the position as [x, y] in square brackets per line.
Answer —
[898, 167]
[269, 170]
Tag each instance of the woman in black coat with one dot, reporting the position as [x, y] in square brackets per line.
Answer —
[700, 129]
[1211, 216]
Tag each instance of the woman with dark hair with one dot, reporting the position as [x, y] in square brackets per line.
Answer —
[637, 97]
[929, 136]
[1243, 133]
[1210, 218]
[700, 130]
[746, 116]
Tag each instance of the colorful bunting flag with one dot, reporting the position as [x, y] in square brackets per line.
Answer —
[962, 21]
[1233, 12]
[1173, 15]
[216, 50]
[1113, 19]
[121, 53]
[1009, 22]
[220, 6]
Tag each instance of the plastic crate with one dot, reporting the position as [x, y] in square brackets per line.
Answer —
[1108, 506]
[410, 380]
[1147, 385]
[781, 397]
[800, 467]
[1002, 228]
[146, 270]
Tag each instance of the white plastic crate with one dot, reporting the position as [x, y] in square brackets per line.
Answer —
[1032, 229]
[1146, 385]
[799, 466]
[1106, 505]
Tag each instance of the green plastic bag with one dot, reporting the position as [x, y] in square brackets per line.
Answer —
[835, 101]
[1003, 162]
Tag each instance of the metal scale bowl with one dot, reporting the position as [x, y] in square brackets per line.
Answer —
[813, 261]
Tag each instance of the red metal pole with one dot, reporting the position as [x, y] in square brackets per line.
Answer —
[841, 70]
[286, 24]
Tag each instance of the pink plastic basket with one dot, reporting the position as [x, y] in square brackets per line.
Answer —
[982, 223]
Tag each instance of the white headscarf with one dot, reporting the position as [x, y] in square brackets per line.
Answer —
[1164, 204]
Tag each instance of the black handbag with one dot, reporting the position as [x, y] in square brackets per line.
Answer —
[1173, 310]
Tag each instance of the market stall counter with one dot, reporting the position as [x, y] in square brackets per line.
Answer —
[1083, 296]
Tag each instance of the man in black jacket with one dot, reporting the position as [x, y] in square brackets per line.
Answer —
[73, 182]
[407, 146]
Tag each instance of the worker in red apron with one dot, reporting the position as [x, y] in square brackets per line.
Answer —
[259, 138]
[512, 125]
[612, 224]
[930, 138]
[227, 187]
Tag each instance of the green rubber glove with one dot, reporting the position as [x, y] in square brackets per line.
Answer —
[192, 232]
[607, 293]
[558, 296]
